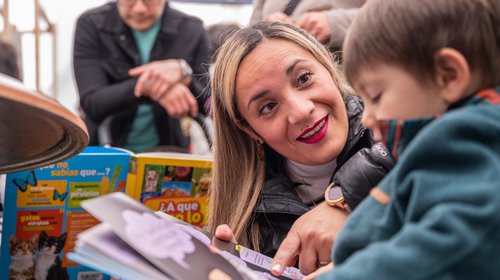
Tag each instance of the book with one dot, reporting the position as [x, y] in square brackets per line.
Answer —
[174, 183]
[43, 209]
[134, 242]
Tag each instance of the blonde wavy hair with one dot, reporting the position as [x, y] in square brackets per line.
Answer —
[238, 173]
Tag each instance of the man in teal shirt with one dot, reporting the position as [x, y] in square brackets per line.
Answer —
[134, 63]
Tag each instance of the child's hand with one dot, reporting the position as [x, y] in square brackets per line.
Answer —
[321, 270]
[224, 233]
[222, 238]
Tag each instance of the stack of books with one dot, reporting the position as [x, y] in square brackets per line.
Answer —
[134, 242]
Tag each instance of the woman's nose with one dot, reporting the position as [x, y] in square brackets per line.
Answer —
[300, 109]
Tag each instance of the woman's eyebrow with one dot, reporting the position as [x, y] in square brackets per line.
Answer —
[290, 68]
[257, 96]
[288, 71]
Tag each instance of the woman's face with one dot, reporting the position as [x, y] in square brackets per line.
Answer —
[291, 102]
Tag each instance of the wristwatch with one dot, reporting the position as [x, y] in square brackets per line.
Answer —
[335, 198]
[186, 70]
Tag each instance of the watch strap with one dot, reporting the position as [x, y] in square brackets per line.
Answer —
[337, 202]
[186, 70]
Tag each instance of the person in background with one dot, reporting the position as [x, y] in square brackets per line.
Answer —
[218, 32]
[429, 73]
[140, 66]
[217, 35]
[286, 128]
[326, 20]
[9, 63]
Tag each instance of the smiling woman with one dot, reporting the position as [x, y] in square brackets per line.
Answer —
[299, 106]
[285, 127]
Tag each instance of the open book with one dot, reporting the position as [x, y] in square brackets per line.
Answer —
[133, 242]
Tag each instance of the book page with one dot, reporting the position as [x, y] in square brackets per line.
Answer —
[168, 247]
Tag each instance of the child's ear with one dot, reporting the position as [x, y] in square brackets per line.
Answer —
[249, 131]
[452, 74]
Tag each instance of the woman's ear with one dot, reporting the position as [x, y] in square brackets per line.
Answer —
[249, 131]
[452, 74]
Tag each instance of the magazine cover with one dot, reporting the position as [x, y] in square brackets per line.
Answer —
[173, 183]
[133, 242]
[43, 214]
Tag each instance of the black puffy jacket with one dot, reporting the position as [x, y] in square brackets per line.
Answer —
[359, 168]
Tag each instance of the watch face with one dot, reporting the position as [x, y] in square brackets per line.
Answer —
[335, 193]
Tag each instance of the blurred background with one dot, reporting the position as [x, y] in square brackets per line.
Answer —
[45, 46]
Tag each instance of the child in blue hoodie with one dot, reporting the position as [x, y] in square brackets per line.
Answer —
[428, 72]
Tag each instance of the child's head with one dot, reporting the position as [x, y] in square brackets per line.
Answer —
[409, 33]
[440, 49]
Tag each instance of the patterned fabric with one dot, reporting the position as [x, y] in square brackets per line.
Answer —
[397, 134]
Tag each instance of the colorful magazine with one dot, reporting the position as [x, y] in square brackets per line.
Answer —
[174, 183]
[43, 215]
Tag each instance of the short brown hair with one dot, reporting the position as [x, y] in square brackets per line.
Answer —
[408, 33]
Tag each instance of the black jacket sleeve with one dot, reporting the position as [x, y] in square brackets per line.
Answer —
[99, 97]
[200, 80]
[362, 172]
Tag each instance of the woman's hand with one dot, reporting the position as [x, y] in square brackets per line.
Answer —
[310, 239]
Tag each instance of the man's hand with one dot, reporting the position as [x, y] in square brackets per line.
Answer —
[279, 17]
[316, 23]
[156, 78]
[178, 101]
[310, 238]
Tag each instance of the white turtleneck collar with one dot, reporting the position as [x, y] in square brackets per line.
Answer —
[314, 179]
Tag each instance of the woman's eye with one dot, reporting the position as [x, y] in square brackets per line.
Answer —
[266, 108]
[304, 78]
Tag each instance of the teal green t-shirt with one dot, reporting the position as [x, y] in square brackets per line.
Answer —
[143, 134]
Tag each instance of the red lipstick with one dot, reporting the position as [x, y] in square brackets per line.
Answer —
[315, 133]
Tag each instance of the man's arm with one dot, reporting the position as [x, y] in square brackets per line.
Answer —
[99, 98]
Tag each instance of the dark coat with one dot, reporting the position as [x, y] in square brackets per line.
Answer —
[105, 50]
[279, 205]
